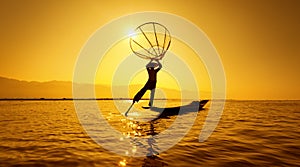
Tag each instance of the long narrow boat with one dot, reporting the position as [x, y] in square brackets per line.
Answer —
[195, 106]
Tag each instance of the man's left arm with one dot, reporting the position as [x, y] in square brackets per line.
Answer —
[159, 65]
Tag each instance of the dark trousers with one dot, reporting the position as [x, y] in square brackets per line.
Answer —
[150, 85]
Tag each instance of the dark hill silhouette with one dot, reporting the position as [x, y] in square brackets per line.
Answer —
[13, 88]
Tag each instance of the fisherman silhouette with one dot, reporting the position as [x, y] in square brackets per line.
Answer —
[152, 68]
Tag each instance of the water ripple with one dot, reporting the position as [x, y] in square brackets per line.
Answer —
[250, 133]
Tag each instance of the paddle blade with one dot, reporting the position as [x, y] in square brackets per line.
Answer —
[128, 109]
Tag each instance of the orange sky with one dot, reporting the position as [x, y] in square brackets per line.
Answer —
[258, 41]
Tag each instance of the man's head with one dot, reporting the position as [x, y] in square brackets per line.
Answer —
[152, 65]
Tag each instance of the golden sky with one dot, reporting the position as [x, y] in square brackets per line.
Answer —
[258, 41]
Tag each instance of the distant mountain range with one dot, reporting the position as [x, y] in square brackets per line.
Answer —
[13, 88]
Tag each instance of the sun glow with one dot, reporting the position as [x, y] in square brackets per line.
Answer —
[131, 33]
[120, 67]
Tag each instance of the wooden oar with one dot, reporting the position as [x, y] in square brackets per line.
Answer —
[129, 109]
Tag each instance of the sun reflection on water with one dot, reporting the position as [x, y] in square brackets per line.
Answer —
[123, 162]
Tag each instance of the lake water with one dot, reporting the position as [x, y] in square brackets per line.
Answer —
[250, 133]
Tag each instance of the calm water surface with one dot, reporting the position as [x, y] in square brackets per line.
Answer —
[250, 133]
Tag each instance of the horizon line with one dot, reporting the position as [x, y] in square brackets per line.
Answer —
[121, 98]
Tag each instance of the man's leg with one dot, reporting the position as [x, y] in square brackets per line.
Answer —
[140, 94]
[151, 97]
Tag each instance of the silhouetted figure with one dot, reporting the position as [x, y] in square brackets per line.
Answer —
[152, 68]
